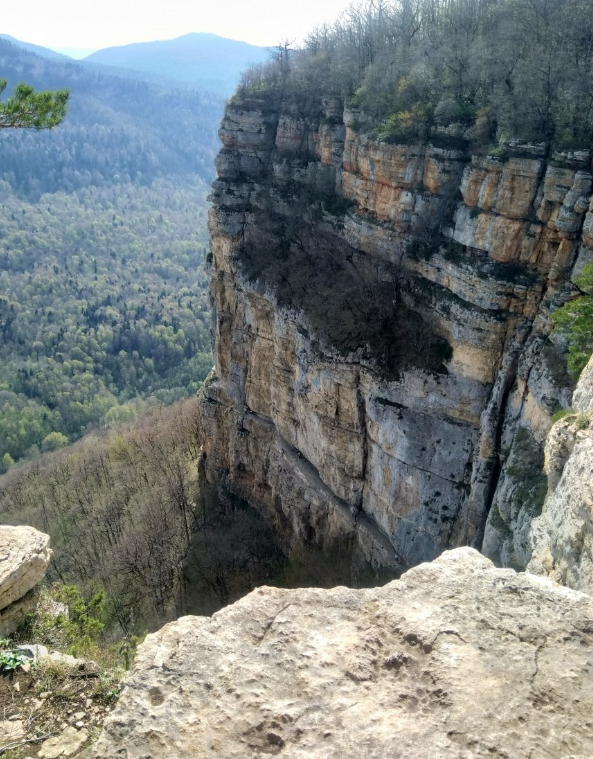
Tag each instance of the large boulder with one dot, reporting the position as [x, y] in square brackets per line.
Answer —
[24, 556]
[456, 659]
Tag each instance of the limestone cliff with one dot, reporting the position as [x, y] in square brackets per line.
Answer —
[455, 660]
[384, 372]
[562, 537]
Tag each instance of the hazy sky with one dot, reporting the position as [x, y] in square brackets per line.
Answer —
[92, 24]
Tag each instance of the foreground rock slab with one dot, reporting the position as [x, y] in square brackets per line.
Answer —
[456, 659]
[24, 556]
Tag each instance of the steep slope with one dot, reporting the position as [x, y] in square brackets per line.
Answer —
[204, 60]
[384, 367]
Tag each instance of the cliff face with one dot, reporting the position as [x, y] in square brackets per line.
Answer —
[562, 537]
[384, 371]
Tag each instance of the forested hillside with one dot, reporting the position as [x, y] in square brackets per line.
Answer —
[103, 303]
[126, 518]
[118, 129]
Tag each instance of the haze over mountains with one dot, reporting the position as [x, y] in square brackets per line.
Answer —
[46, 52]
[201, 60]
[204, 60]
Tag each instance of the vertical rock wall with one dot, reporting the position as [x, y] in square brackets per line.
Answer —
[562, 537]
[384, 373]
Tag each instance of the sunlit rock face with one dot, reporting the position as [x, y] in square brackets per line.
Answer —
[455, 659]
[384, 372]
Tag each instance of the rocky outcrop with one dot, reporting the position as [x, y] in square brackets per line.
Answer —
[562, 537]
[24, 556]
[456, 659]
[385, 376]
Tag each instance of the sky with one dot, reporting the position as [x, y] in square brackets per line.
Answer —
[92, 25]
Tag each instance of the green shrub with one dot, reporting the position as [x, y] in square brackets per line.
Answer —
[574, 320]
[561, 414]
[64, 619]
[411, 125]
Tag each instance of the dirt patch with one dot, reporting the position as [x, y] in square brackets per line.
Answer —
[43, 703]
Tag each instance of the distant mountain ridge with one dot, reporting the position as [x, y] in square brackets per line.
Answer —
[205, 60]
[46, 52]
[116, 126]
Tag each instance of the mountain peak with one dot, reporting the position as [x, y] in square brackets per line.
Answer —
[198, 58]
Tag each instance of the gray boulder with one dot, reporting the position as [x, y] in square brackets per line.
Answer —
[24, 556]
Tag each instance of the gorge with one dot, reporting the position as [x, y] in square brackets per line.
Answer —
[386, 379]
[370, 532]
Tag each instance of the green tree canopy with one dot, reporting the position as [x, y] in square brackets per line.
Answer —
[28, 109]
[574, 320]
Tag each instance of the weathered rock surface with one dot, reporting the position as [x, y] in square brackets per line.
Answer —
[562, 537]
[315, 432]
[67, 744]
[24, 556]
[456, 659]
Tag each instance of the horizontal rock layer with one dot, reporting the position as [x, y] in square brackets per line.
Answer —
[456, 659]
[384, 368]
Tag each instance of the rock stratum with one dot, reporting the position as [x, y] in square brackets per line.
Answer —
[385, 374]
[455, 659]
[24, 557]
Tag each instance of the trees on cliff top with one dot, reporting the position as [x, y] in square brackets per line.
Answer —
[506, 68]
[28, 109]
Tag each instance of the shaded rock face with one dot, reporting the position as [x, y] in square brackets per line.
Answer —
[562, 537]
[456, 659]
[384, 368]
[24, 556]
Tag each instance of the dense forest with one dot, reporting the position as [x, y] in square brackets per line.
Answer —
[495, 69]
[118, 129]
[103, 299]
